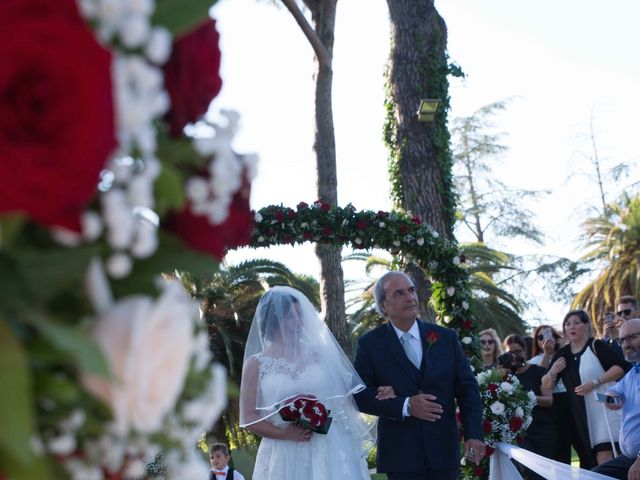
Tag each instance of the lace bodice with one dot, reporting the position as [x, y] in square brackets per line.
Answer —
[278, 380]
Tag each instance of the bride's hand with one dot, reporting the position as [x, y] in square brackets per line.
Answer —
[385, 392]
[296, 433]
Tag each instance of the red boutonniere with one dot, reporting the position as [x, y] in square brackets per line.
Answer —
[431, 338]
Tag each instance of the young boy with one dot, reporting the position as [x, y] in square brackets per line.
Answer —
[220, 470]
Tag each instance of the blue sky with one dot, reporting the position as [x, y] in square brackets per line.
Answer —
[565, 63]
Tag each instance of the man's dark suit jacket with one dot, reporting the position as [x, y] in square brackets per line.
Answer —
[410, 444]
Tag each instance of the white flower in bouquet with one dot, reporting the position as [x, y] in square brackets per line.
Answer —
[497, 408]
[506, 387]
[519, 412]
[62, 445]
[148, 346]
[466, 340]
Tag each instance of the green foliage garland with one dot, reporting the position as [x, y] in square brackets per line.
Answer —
[399, 233]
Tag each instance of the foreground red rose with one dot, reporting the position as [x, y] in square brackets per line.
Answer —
[487, 426]
[200, 234]
[515, 424]
[56, 111]
[192, 75]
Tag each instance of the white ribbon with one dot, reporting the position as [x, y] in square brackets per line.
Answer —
[501, 467]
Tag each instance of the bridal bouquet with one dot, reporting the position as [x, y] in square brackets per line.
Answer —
[112, 182]
[507, 413]
[307, 411]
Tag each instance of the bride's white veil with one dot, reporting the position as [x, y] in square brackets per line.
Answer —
[289, 352]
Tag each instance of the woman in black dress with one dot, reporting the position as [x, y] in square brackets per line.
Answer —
[586, 366]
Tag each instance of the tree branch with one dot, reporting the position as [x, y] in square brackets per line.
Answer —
[319, 49]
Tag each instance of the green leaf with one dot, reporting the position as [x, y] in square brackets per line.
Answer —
[16, 403]
[169, 192]
[36, 469]
[72, 341]
[179, 16]
[10, 227]
[51, 271]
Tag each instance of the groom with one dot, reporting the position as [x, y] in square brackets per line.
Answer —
[418, 436]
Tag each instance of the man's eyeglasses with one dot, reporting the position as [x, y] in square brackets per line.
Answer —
[487, 342]
[629, 338]
[626, 312]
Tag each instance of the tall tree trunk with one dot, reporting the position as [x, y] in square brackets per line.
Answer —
[418, 70]
[321, 38]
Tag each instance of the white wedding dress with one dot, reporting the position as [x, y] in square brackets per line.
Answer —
[338, 454]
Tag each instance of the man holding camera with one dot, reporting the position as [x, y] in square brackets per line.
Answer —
[627, 308]
[625, 395]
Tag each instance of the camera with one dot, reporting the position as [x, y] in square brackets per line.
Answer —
[608, 317]
[511, 361]
[547, 334]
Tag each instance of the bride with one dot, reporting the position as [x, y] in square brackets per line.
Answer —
[290, 352]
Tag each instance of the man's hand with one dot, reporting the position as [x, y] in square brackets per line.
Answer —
[609, 329]
[618, 403]
[474, 450]
[634, 471]
[385, 392]
[424, 407]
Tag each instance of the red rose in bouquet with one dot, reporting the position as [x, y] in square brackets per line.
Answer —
[56, 111]
[200, 234]
[307, 411]
[192, 75]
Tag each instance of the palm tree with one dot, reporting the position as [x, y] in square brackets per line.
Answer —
[613, 243]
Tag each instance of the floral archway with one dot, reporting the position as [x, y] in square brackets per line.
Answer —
[399, 233]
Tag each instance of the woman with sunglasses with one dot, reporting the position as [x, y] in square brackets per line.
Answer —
[587, 366]
[490, 348]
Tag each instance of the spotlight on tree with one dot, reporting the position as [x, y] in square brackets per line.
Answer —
[427, 110]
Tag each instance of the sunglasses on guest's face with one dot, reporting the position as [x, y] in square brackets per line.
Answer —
[626, 312]
[487, 342]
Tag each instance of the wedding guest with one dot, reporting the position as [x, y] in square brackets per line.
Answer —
[585, 366]
[418, 436]
[540, 436]
[627, 307]
[490, 348]
[220, 469]
[547, 342]
[290, 353]
[626, 396]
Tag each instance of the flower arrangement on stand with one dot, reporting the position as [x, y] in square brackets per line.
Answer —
[506, 414]
[104, 200]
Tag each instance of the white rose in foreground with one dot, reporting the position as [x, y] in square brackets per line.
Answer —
[147, 346]
[506, 387]
[497, 408]
[519, 412]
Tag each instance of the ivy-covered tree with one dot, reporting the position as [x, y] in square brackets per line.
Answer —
[420, 159]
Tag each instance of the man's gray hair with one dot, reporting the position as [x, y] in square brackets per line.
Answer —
[378, 289]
